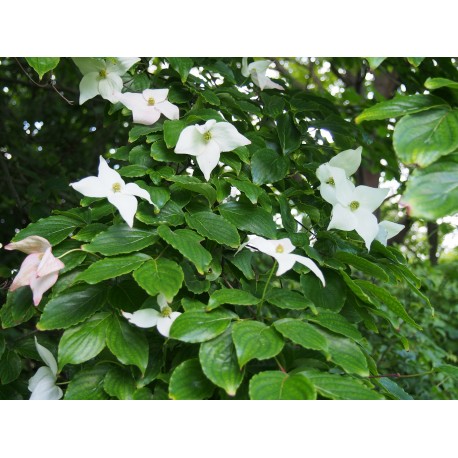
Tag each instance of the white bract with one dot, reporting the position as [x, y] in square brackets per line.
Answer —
[281, 250]
[148, 318]
[257, 70]
[354, 209]
[148, 106]
[386, 230]
[208, 141]
[109, 184]
[43, 383]
[102, 76]
[343, 164]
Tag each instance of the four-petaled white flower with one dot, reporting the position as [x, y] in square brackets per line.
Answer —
[109, 184]
[40, 268]
[354, 209]
[207, 142]
[386, 230]
[281, 250]
[148, 106]
[343, 164]
[102, 76]
[43, 383]
[148, 318]
[257, 70]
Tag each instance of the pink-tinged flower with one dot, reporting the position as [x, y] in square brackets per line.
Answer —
[148, 106]
[39, 270]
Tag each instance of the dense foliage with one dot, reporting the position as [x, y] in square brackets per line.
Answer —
[384, 325]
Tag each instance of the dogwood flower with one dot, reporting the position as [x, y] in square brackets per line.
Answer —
[148, 106]
[257, 70]
[345, 163]
[39, 270]
[281, 250]
[354, 209]
[109, 184]
[148, 318]
[43, 383]
[387, 230]
[102, 76]
[208, 141]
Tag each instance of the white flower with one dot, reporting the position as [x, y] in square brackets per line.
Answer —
[148, 106]
[354, 209]
[102, 76]
[345, 163]
[207, 142]
[148, 318]
[386, 230]
[257, 70]
[109, 184]
[281, 251]
[43, 383]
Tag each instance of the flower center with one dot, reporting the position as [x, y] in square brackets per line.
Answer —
[354, 205]
[103, 73]
[331, 181]
[151, 101]
[166, 311]
[207, 136]
[116, 187]
[279, 248]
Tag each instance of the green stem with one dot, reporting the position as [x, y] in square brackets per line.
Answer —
[258, 310]
[69, 251]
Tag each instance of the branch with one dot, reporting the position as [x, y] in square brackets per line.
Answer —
[283, 71]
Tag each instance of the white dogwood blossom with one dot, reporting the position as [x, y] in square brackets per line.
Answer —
[109, 184]
[257, 70]
[387, 230]
[281, 250]
[43, 383]
[102, 76]
[148, 106]
[148, 318]
[208, 141]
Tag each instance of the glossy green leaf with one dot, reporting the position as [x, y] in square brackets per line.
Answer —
[251, 191]
[436, 83]
[375, 62]
[363, 265]
[182, 65]
[195, 185]
[301, 333]
[139, 131]
[267, 166]
[172, 131]
[255, 340]
[88, 384]
[337, 323]
[43, 65]
[87, 233]
[415, 61]
[331, 297]
[287, 299]
[18, 308]
[2, 345]
[119, 384]
[288, 134]
[189, 382]
[10, 367]
[231, 296]
[394, 389]
[275, 385]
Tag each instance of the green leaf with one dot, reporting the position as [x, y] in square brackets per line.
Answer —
[433, 192]
[189, 382]
[273, 105]
[415, 61]
[400, 105]
[252, 191]
[422, 138]
[195, 185]
[219, 363]
[18, 308]
[87, 233]
[242, 261]
[127, 343]
[268, 167]
[43, 65]
[112, 268]
[88, 384]
[160, 153]
[172, 131]
[301, 333]
[337, 323]
[436, 83]
[275, 385]
[255, 340]
[289, 136]
[231, 296]
[340, 386]
[449, 370]
[83, 342]
[199, 326]
[10, 367]
[2, 345]
[133, 171]
[287, 299]
[192, 281]
[374, 62]
[74, 305]
[187, 242]
[394, 389]
[54, 229]
[182, 65]
[363, 265]
[139, 131]
[287, 219]
[214, 227]
[118, 383]
[171, 214]
[160, 276]
[331, 297]
[249, 218]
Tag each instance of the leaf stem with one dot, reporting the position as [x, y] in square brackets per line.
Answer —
[69, 251]
[259, 307]
[397, 375]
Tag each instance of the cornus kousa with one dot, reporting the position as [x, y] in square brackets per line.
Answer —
[257, 70]
[109, 184]
[341, 166]
[148, 106]
[43, 383]
[39, 270]
[208, 141]
[281, 250]
[387, 230]
[102, 76]
[148, 318]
